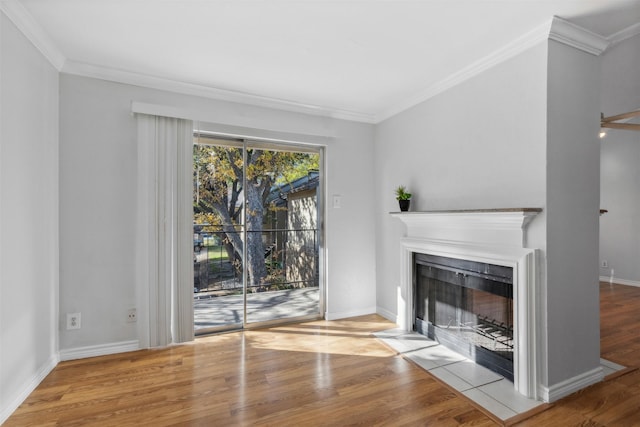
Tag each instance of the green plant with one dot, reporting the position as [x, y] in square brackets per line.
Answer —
[401, 193]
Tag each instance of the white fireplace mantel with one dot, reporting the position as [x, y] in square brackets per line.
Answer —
[494, 236]
[501, 227]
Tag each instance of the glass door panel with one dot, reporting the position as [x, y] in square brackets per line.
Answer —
[283, 188]
[218, 235]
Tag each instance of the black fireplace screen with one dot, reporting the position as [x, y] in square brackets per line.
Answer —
[468, 307]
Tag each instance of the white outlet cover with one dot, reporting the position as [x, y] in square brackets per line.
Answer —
[74, 321]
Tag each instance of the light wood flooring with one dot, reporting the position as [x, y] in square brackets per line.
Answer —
[310, 374]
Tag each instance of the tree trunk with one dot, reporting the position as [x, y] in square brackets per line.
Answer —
[256, 266]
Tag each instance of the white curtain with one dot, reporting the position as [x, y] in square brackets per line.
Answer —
[165, 235]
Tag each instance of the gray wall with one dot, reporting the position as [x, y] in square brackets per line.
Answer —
[573, 174]
[620, 166]
[28, 217]
[98, 202]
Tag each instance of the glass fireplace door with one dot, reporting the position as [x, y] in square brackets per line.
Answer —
[468, 307]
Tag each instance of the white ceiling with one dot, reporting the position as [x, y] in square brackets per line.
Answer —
[363, 58]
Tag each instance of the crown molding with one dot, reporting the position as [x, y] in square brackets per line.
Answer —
[21, 18]
[24, 21]
[555, 29]
[624, 34]
[508, 51]
[154, 82]
[575, 36]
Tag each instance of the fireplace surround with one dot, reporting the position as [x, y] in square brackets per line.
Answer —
[489, 236]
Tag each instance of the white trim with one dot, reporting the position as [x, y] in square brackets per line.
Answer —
[387, 314]
[510, 50]
[624, 34]
[99, 350]
[575, 36]
[161, 83]
[21, 18]
[556, 29]
[523, 262]
[352, 313]
[231, 130]
[617, 281]
[571, 385]
[611, 365]
[31, 385]
[494, 236]
[503, 228]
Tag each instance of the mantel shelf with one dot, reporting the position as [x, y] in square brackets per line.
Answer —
[503, 226]
[471, 211]
[466, 211]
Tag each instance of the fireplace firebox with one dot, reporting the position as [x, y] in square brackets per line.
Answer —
[467, 306]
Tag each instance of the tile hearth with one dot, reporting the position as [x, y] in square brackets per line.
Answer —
[486, 388]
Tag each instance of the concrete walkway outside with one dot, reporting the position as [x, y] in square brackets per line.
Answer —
[261, 306]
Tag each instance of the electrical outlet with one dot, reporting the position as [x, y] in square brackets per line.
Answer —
[605, 263]
[73, 321]
[132, 315]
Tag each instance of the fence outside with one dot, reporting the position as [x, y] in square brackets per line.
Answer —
[291, 259]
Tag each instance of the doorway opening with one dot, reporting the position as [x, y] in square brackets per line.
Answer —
[256, 234]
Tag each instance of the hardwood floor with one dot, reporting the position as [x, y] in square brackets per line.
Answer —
[316, 373]
[620, 324]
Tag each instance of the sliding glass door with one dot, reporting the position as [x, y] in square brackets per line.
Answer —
[256, 233]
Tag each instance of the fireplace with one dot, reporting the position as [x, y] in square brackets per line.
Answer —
[471, 260]
[468, 307]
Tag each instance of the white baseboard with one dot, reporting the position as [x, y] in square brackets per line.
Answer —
[31, 385]
[99, 350]
[344, 314]
[571, 385]
[620, 281]
[387, 314]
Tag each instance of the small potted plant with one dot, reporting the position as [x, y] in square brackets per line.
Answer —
[404, 198]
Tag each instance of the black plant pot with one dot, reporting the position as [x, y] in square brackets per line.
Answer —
[404, 205]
